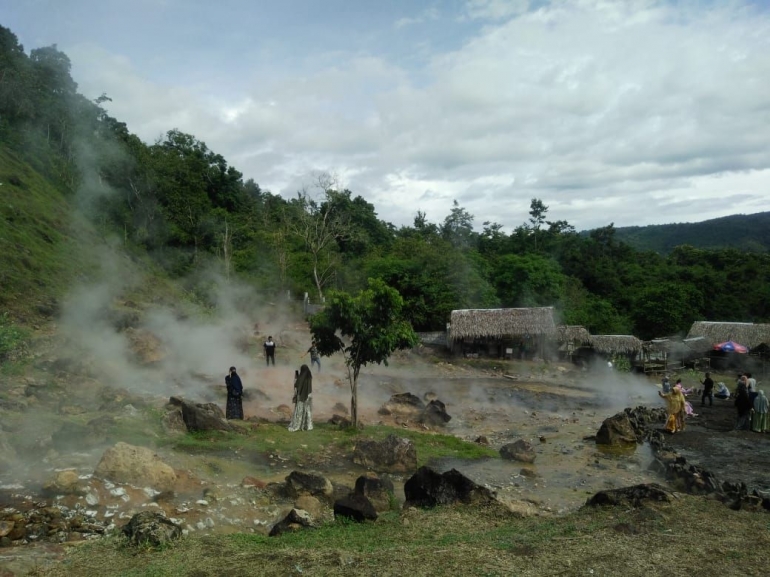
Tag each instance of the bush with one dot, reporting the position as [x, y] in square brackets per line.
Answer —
[13, 340]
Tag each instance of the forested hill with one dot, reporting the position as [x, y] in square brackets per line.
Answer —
[749, 232]
[183, 209]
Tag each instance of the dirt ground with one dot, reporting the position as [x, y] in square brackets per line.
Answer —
[710, 441]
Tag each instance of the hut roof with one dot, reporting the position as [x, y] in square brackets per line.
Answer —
[572, 334]
[747, 334]
[615, 343]
[497, 323]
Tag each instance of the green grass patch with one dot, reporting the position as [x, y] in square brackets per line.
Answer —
[326, 438]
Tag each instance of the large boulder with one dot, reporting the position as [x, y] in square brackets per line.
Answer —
[355, 507]
[616, 430]
[520, 450]
[403, 404]
[427, 488]
[391, 454]
[203, 416]
[435, 414]
[139, 466]
[296, 520]
[151, 528]
[379, 490]
[173, 422]
[299, 483]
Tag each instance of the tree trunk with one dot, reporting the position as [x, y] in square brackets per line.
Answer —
[353, 398]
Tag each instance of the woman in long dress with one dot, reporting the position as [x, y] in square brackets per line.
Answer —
[674, 407]
[759, 418]
[302, 419]
[234, 408]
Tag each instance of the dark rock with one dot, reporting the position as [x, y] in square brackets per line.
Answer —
[616, 430]
[299, 483]
[379, 490]
[296, 520]
[391, 454]
[403, 403]
[519, 450]
[482, 440]
[528, 473]
[435, 414]
[356, 507]
[427, 488]
[634, 496]
[149, 527]
[340, 421]
[204, 417]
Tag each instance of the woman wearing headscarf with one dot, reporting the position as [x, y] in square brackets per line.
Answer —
[675, 407]
[687, 410]
[759, 419]
[234, 408]
[744, 407]
[302, 419]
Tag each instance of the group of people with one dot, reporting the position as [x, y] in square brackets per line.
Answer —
[751, 404]
[302, 417]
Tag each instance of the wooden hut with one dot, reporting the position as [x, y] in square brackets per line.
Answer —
[626, 345]
[570, 338]
[670, 354]
[747, 334]
[519, 332]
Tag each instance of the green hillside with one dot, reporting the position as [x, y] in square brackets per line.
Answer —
[42, 242]
[747, 232]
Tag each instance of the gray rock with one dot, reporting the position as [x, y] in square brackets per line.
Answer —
[391, 454]
[520, 451]
[149, 527]
[355, 507]
[296, 520]
[299, 483]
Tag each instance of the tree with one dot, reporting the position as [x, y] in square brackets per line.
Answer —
[458, 227]
[537, 212]
[372, 326]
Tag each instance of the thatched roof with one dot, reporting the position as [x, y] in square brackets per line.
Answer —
[747, 334]
[615, 344]
[573, 334]
[498, 323]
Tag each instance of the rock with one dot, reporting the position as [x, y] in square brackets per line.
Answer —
[435, 414]
[340, 421]
[391, 454]
[427, 488]
[65, 483]
[520, 451]
[151, 528]
[204, 417]
[253, 482]
[6, 527]
[296, 519]
[299, 483]
[404, 404]
[173, 422]
[616, 430]
[356, 507]
[634, 496]
[137, 466]
[482, 440]
[379, 490]
[530, 473]
[310, 504]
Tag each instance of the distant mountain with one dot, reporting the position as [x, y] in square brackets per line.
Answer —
[749, 232]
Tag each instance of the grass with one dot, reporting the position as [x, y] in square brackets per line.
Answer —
[691, 535]
[324, 440]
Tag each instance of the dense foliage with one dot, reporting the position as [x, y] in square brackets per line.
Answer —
[183, 204]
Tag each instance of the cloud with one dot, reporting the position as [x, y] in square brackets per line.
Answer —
[604, 110]
[428, 14]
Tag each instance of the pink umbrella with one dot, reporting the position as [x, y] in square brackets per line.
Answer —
[731, 347]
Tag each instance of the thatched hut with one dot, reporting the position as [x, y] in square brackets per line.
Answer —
[501, 332]
[748, 334]
[627, 345]
[572, 334]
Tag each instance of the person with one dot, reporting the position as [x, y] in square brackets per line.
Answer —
[759, 419]
[666, 384]
[722, 391]
[687, 410]
[302, 418]
[744, 407]
[315, 358]
[751, 385]
[674, 406]
[708, 391]
[269, 347]
[234, 409]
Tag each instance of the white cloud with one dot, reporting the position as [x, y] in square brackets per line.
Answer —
[605, 110]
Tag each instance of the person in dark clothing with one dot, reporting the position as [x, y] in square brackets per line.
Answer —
[315, 358]
[708, 391]
[744, 406]
[269, 347]
[234, 409]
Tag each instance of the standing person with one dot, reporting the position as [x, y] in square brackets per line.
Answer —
[315, 358]
[234, 409]
[674, 406]
[744, 407]
[269, 347]
[666, 385]
[302, 419]
[708, 391]
[759, 418]
[751, 385]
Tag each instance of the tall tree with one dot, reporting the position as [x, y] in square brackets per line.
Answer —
[537, 212]
[366, 328]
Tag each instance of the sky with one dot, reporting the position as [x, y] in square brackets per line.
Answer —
[628, 112]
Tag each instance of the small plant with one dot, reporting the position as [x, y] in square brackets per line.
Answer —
[622, 364]
[13, 340]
